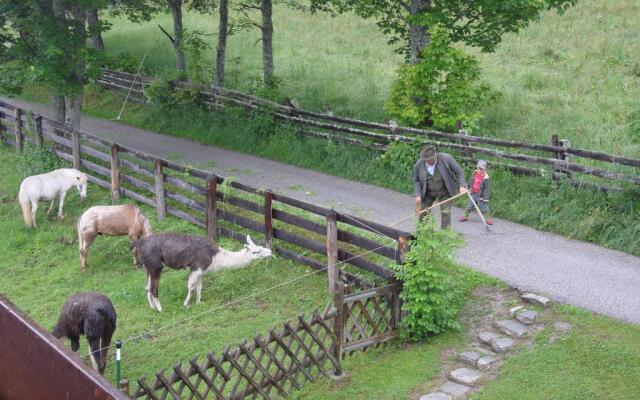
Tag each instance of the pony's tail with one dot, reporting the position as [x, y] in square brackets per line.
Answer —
[80, 238]
[25, 204]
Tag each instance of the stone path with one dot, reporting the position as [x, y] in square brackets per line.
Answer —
[488, 351]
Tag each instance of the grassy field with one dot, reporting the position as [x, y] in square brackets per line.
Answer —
[41, 268]
[599, 357]
[576, 74]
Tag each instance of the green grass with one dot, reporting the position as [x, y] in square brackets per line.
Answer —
[41, 268]
[598, 359]
[575, 74]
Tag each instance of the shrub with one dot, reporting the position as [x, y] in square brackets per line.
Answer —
[442, 90]
[432, 296]
[400, 156]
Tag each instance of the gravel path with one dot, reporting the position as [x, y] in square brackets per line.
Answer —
[575, 272]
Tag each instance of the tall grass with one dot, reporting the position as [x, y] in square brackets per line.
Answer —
[575, 74]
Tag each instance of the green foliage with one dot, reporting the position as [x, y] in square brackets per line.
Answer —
[442, 90]
[634, 126]
[198, 48]
[479, 23]
[432, 297]
[400, 156]
[39, 161]
[164, 95]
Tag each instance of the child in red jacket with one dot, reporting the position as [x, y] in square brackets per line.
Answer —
[480, 189]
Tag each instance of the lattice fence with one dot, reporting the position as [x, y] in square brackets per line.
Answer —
[371, 316]
[266, 368]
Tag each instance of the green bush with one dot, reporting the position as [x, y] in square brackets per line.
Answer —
[442, 90]
[432, 296]
[165, 95]
[400, 156]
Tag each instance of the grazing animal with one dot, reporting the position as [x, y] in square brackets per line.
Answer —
[184, 251]
[90, 314]
[113, 221]
[47, 187]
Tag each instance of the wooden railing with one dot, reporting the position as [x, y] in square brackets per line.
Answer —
[557, 159]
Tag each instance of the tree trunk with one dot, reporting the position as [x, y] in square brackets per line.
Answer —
[267, 42]
[418, 35]
[222, 43]
[73, 107]
[59, 108]
[178, 35]
[92, 21]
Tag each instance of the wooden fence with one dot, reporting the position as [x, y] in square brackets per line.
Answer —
[362, 315]
[557, 159]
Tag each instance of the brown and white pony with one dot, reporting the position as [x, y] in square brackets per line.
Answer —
[121, 220]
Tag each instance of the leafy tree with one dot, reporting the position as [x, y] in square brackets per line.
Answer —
[45, 42]
[479, 23]
[442, 90]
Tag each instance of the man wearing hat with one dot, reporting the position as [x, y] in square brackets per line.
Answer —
[437, 176]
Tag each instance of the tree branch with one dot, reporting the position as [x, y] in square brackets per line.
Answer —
[173, 41]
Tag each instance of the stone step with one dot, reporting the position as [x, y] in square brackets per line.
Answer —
[514, 310]
[483, 350]
[527, 317]
[486, 363]
[470, 357]
[512, 328]
[466, 376]
[436, 396]
[502, 344]
[535, 299]
[487, 337]
[454, 389]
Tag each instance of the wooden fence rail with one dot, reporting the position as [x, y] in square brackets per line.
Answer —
[554, 155]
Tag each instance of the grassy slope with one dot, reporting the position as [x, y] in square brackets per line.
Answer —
[576, 74]
[40, 269]
[600, 357]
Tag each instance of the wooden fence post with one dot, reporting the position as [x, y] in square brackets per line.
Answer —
[268, 219]
[403, 248]
[338, 323]
[124, 386]
[161, 206]
[565, 143]
[332, 251]
[212, 223]
[18, 130]
[75, 147]
[115, 174]
[37, 120]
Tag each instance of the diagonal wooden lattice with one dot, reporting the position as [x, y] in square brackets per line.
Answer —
[370, 314]
[266, 368]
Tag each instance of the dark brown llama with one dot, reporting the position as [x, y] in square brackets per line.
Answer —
[90, 314]
[185, 251]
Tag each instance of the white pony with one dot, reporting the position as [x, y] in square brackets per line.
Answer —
[47, 187]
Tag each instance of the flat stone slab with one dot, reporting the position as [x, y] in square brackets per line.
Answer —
[483, 351]
[436, 396]
[488, 337]
[502, 344]
[562, 326]
[527, 316]
[514, 310]
[466, 376]
[470, 357]
[535, 299]
[486, 363]
[454, 389]
[512, 328]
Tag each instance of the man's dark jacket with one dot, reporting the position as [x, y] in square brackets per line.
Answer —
[449, 170]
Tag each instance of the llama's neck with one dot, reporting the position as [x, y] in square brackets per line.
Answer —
[225, 259]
